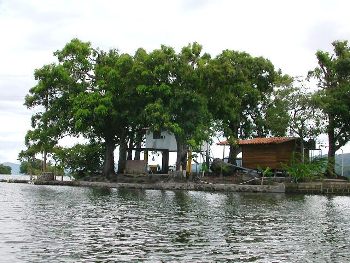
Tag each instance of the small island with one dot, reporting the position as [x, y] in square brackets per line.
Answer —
[169, 104]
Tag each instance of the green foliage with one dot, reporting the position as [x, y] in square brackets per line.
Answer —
[110, 97]
[81, 160]
[204, 168]
[239, 89]
[300, 171]
[174, 101]
[333, 97]
[33, 167]
[174, 96]
[4, 169]
[265, 172]
[305, 120]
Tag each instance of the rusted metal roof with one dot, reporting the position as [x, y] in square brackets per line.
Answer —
[272, 140]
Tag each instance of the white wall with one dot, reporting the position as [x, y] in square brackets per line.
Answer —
[166, 142]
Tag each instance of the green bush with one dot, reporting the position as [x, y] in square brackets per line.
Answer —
[267, 172]
[82, 159]
[4, 169]
[300, 171]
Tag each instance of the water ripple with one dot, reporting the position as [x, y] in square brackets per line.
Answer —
[68, 224]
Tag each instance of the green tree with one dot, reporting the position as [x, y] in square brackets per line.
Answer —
[31, 167]
[175, 101]
[49, 122]
[88, 96]
[272, 115]
[294, 112]
[4, 169]
[135, 125]
[333, 97]
[81, 160]
[238, 88]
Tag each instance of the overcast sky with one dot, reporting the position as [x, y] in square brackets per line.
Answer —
[286, 32]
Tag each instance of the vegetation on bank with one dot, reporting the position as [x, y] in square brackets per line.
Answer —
[4, 169]
[109, 98]
[307, 171]
[35, 167]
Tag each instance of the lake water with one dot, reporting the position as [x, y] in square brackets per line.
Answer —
[71, 224]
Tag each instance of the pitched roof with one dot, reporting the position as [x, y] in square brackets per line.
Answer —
[272, 140]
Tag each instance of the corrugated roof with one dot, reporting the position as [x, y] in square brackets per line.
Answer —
[272, 140]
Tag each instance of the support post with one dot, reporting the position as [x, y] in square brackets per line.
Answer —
[145, 155]
[165, 161]
[189, 162]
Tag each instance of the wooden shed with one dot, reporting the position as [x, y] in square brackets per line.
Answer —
[269, 152]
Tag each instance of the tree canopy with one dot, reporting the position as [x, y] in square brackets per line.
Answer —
[4, 169]
[333, 96]
[110, 98]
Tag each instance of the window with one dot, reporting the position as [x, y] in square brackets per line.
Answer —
[157, 135]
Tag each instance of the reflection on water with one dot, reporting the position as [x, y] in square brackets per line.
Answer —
[70, 224]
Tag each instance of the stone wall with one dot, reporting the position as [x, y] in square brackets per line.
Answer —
[322, 187]
[136, 167]
[46, 177]
[278, 188]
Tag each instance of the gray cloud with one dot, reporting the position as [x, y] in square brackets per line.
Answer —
[288, 34]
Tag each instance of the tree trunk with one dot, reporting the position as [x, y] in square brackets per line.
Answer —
[108, 166]
[234, 151]
[122, 156]
[165, 161]
[302, 150]
[139, 137]
[131, 145]
[331, 147]
[234, 148]
[138, 152]
[44, 161]
[181, 156]
[45, 126]
[207, 157]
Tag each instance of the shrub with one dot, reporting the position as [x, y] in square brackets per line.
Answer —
[267, 172]
[300, 171]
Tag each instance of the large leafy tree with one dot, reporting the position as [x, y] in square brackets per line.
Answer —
[306, 120]
[100, 105]
[175, 99]
[272, 115]
[333, 98]
[49, 122]
[84, 94]
[238, 87]
[293, 112]
[138, 75]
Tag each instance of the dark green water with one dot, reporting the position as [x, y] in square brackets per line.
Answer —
[68, 224]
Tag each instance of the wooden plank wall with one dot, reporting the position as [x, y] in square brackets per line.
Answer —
[267, 155]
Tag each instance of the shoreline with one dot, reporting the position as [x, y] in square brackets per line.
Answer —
[190, 186]
[327, 187]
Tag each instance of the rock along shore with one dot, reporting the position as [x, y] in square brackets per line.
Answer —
[277, 188]
[322, 187]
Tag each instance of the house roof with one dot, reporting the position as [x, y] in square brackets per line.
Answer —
[272, 140]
